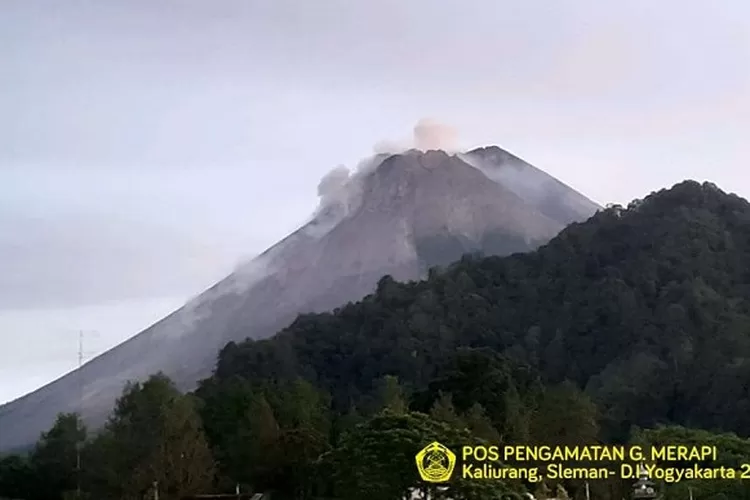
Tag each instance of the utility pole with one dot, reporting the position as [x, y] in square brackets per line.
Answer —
[79, 428]
[78, 419]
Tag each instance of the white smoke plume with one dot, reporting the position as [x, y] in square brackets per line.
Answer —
[430, 134]
[390, 147]
[332, 183]
[341, 189]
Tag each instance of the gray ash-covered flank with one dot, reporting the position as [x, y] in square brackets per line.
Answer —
[400, 215]
[551, 197]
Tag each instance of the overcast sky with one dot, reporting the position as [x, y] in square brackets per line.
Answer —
[147, 145]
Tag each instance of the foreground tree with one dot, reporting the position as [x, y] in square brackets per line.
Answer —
[732, 452]
[565, 416]
[267, 436]
[16, 477]
[154, 439]
[54, 460]
[50, 471]
[377, 460]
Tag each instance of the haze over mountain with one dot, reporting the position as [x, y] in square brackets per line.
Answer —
[400, 213]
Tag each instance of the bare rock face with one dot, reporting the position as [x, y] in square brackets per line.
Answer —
[399, 216]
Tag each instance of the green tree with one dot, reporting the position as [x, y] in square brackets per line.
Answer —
[377, 460]
[391, 395]
[267, 435]
[300, 405]
[304, 413]
[226, 412]
[17, 478]
[181, 463]
[54, 459]
[565, 416]
[480, 425]
[732, 451]
[516, 416]
[154, 436]
[481, 376]
[263, 442]
[346, 423]
[444, 411]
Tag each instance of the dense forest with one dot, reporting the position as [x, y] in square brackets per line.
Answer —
[633, 326]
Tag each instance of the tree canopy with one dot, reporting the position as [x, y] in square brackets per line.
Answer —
[646, 308]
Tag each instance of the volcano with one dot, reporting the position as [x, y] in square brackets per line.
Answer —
[398, 215]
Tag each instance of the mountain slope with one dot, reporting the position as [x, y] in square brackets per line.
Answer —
[399, 216]
[648, 308]
[553, 198]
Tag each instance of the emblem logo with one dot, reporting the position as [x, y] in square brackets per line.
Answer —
[435, 463]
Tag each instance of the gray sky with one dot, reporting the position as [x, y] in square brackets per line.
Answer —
[146, 146]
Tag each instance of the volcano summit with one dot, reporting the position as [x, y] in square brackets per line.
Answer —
[398, 215]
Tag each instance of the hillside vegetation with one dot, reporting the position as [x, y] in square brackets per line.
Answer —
[646, 308]
[631, 327]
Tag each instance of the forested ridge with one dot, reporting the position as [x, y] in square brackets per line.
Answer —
[631, 327]
[646, 308]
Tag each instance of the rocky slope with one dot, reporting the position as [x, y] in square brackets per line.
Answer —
[399, 215]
